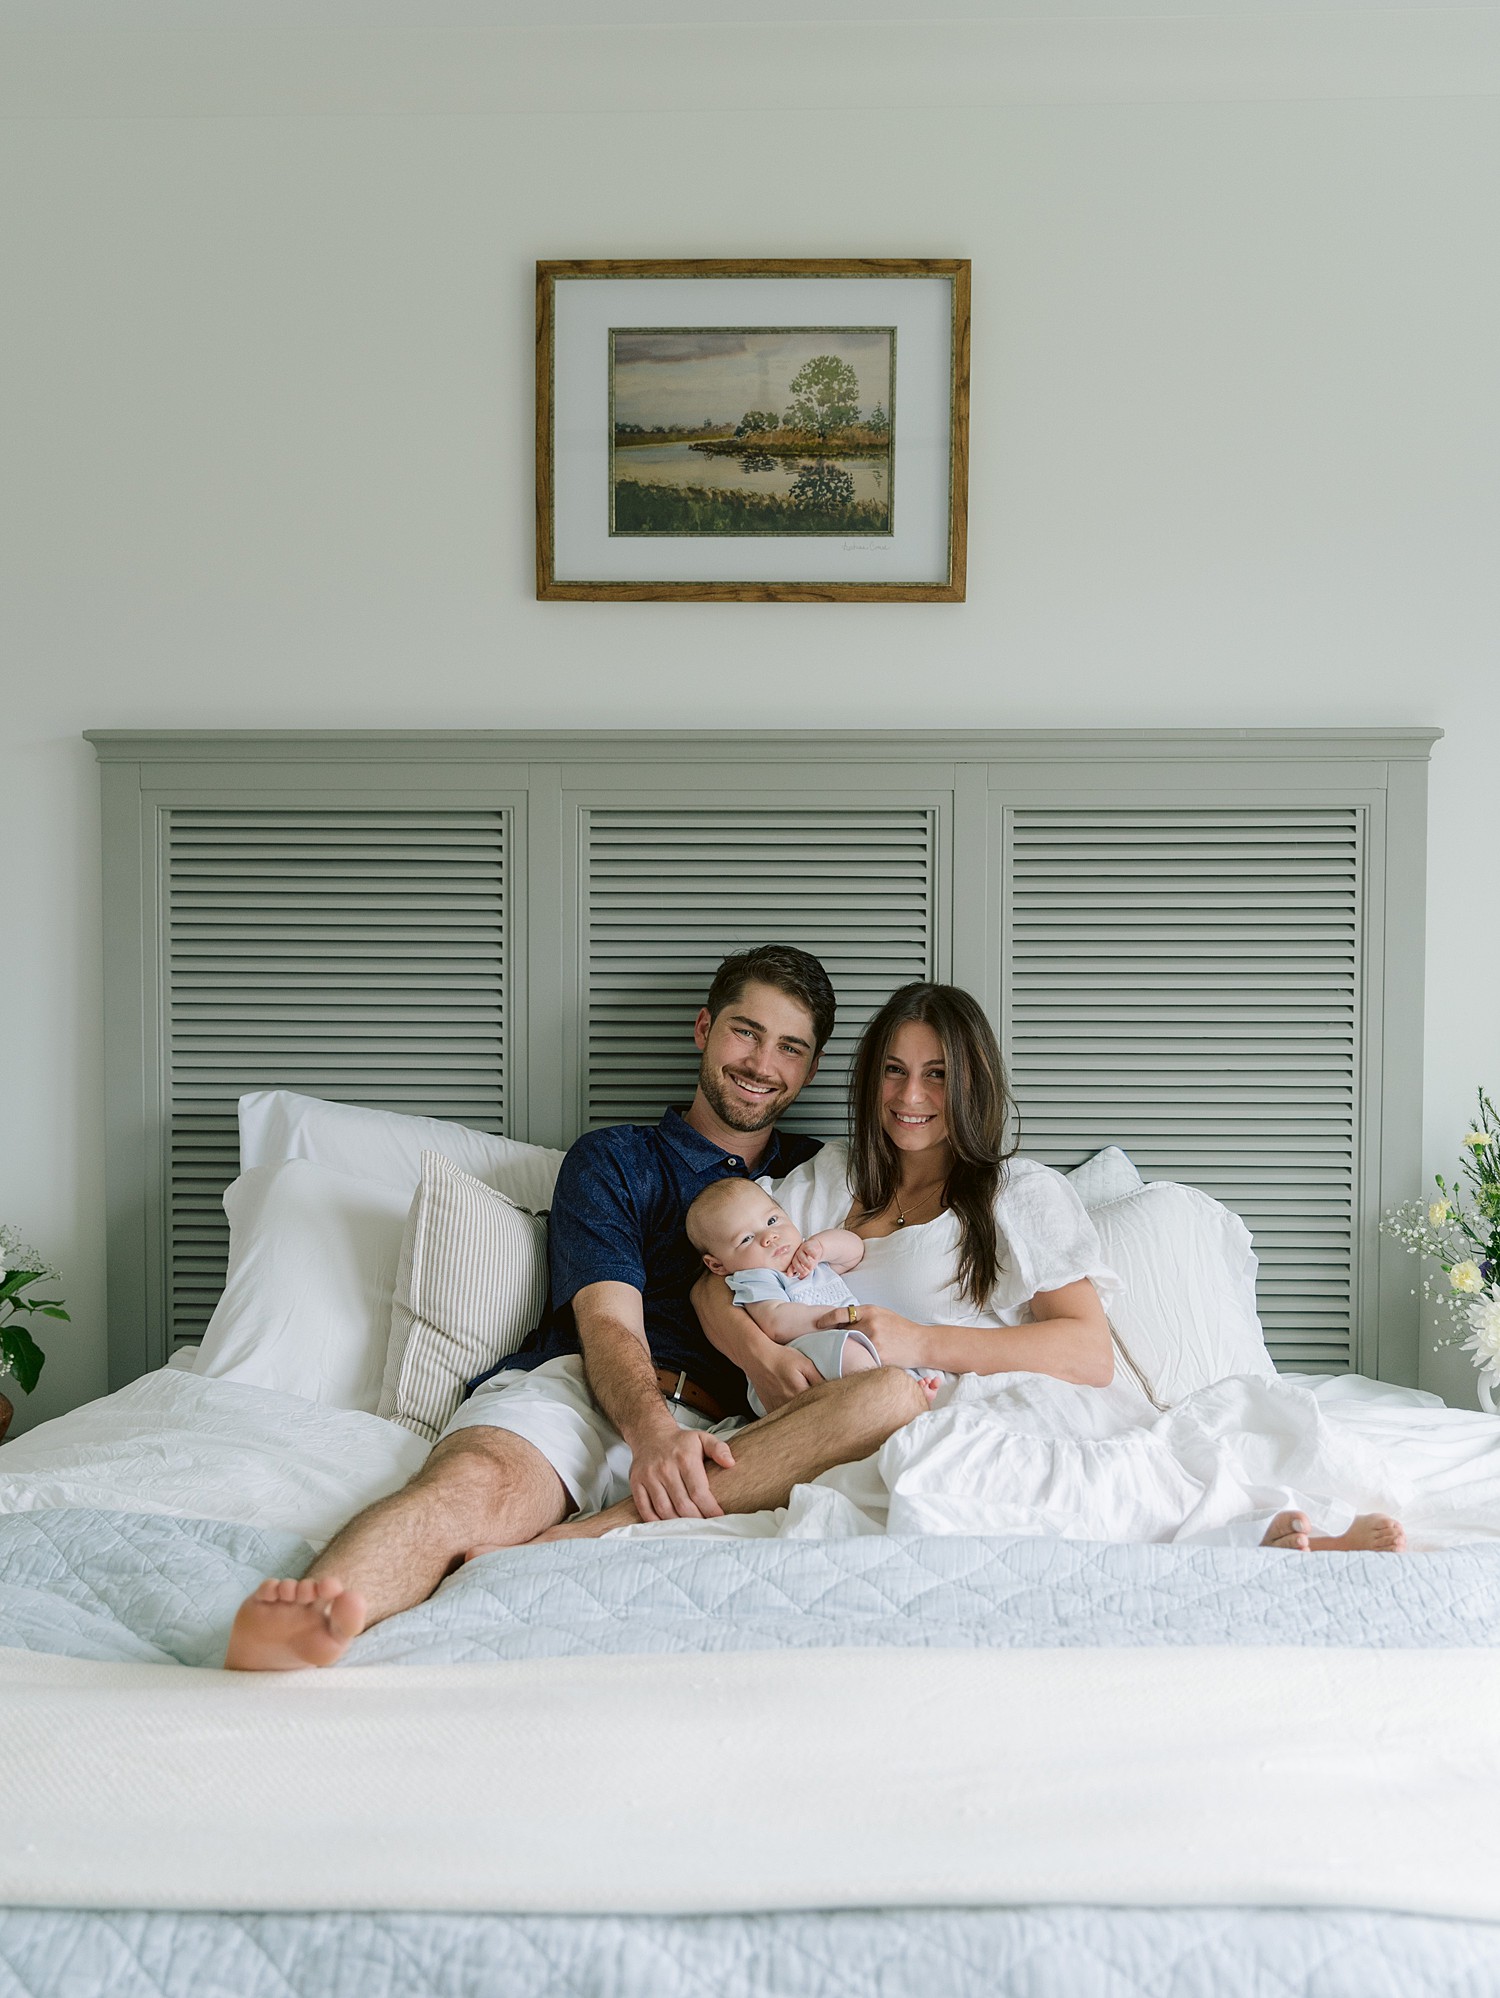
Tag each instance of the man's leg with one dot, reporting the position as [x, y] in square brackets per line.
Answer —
[837, 1422]
[480, 1485]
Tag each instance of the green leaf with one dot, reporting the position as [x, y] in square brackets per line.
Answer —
[17, 1280]
[22, 1356]
[52, 1311]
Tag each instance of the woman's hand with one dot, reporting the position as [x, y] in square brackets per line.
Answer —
[897, 1340]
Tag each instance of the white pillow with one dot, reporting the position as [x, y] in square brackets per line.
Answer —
[1186, 1315]
[306, 1306]
[1108, 1175]
[471, 1284]
[278, 1124]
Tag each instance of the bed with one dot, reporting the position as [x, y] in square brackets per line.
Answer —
[795, 1753]
[810, 1752]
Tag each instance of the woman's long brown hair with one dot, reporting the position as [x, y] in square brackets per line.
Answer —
[978, 1109]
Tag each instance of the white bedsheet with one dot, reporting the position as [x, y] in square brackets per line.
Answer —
[209, 1449]
[865, 1778]
[1006, 1454]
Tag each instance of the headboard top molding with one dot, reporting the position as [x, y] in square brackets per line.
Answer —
[603, 745]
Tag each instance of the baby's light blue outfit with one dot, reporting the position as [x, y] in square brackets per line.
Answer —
[824, 1286]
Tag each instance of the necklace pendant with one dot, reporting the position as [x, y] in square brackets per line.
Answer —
[900, 1218]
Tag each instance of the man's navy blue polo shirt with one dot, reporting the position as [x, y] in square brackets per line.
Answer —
[617, 1218]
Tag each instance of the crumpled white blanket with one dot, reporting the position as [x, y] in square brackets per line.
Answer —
[1023, 1453]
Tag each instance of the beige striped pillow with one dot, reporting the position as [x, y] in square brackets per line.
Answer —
[470, 1285]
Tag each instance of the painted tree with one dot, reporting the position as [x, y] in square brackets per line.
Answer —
[755, 420]
[825, 395]
[878, 420]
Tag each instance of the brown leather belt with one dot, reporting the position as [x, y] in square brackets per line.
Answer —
[677, 1387]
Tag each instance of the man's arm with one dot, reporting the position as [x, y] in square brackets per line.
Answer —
[775, 1372]
[667, 1478]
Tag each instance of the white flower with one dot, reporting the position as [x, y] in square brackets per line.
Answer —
[1483, 1341]
[1467, 1278]
[1438, 1213]
[1475, 1140]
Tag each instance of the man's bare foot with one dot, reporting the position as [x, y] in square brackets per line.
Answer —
[287, 1625]
[1371, 1533]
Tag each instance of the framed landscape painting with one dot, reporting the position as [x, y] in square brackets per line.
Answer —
[793, 429]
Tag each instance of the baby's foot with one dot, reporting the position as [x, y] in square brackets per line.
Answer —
[287, 1625]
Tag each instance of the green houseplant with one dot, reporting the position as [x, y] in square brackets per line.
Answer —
[1459, 1231]
[20, 1355]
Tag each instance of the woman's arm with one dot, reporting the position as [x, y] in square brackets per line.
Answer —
[1069, 1339]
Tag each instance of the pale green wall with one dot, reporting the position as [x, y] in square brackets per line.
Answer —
[265, 450]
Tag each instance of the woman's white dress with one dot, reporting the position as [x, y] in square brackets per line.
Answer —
[1024, 1453]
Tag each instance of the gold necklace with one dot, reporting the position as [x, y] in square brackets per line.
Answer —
[901, 1215]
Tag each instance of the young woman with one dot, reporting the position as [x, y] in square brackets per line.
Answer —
[979, 1264]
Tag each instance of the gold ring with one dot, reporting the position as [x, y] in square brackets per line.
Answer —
[853, 1311]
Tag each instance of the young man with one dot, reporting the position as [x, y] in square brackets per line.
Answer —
[617, 1400]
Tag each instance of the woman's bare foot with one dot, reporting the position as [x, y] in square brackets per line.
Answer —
[1371, 1533]
[288, 1625]
[1289, 1529]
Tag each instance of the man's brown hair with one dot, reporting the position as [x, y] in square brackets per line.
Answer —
[795, 972]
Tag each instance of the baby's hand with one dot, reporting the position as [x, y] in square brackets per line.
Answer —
[806, 1258]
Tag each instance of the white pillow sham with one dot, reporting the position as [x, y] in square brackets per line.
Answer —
[471, 1283]
[306, 1307]
[1186, 1316]
[277, 1124]
[1108, 1175]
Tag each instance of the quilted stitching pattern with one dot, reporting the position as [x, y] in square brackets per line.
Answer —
[949, 1591]
[1064, 1952]
[156, 1588]
[141, 1587]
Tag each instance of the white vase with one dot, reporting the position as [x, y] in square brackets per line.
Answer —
[1487, 1394]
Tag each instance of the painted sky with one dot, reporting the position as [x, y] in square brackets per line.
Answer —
[687, 378]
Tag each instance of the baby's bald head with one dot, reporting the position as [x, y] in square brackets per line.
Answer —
[735, 1225]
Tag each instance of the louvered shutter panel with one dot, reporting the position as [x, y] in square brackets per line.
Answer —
[1186, 984]
[357, 955]
[669, 893]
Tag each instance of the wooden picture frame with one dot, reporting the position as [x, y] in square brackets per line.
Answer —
[830, 460]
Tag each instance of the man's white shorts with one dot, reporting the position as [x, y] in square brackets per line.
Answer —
[552, 1409]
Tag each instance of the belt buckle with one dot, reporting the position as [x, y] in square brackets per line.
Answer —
[676, 1394]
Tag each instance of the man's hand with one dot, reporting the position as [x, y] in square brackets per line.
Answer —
[779, 1374]
[669, 1473]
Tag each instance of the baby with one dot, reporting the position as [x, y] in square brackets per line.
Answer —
[784, 1283]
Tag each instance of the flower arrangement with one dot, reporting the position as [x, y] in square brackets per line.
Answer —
[20, 1267]
[1460, 1232]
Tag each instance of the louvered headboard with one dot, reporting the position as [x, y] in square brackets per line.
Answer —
[1203, 945]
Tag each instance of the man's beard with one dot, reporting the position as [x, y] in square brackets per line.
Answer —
[738, 1115]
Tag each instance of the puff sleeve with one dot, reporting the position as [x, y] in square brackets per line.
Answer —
[1049, 1239]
